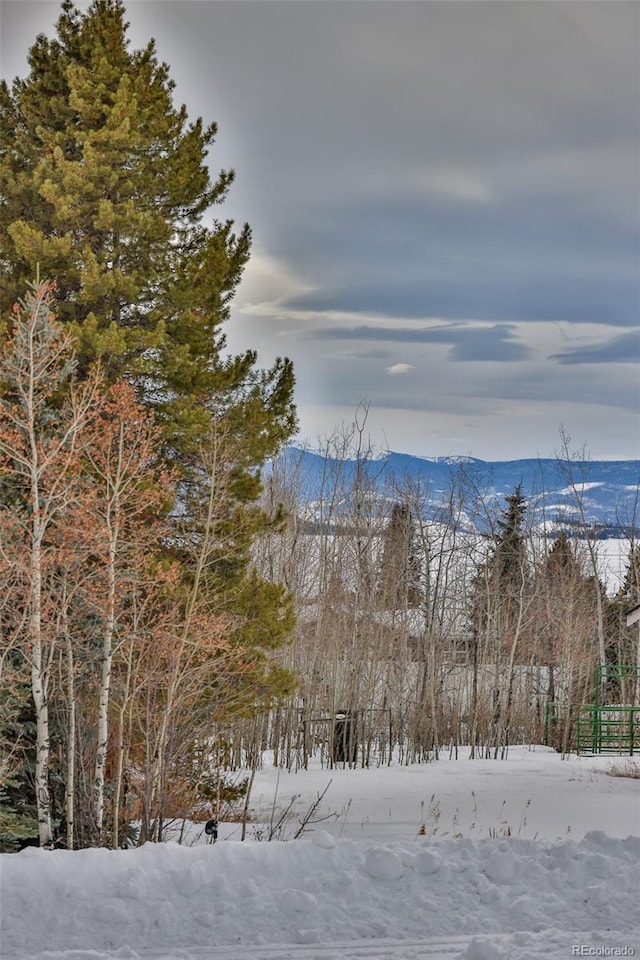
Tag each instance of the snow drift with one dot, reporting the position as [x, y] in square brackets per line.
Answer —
[128, 904]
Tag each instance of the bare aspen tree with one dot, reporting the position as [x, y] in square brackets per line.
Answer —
[438, 621]
[215, 467]
[571, 465]
[128, 490]
[212, 664]
[64, 632]
[565, 625]
[38, 446]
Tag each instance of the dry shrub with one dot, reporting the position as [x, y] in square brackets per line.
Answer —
[627, 768]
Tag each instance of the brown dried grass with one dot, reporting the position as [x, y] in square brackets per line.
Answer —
[625, 768]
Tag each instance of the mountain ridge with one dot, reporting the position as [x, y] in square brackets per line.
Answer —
[558, 491]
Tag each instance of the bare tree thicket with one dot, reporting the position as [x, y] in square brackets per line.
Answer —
[566, 630]
[119, 661]
[415, 633]
[576, 482]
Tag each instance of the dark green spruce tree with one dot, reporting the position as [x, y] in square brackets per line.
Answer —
[502, 582]
[399, 578]
[105, 188]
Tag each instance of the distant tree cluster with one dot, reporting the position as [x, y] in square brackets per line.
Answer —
[431, 634]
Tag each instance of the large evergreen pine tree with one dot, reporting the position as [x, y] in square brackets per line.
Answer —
[105, 187]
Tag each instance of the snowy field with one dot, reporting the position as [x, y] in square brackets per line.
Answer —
[529, 858]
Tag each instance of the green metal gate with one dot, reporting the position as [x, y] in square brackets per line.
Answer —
[602, 727]
[611, 728]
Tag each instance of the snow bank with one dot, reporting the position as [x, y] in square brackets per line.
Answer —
[361, 885]
[146, 902]
[534, 794]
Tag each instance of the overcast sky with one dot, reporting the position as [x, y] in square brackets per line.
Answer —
[445, 200]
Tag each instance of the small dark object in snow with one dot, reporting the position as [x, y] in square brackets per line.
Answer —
[345, 743]
[211, 829]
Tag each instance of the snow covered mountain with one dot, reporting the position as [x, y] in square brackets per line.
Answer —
[608, 491]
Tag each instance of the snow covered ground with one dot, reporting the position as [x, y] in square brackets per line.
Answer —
[529, 858]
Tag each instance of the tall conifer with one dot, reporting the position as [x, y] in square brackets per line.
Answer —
[503, 578]
[105, 186]
[399, 583]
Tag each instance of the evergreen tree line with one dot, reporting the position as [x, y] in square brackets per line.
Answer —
[133, 622]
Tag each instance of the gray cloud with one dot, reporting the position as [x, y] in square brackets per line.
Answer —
[534, 386]
[544, 260]
[473, 162]
[622, 349]
[495, 343]
[485, 298]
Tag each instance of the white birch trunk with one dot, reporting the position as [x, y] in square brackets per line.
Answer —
[105, 685]
[39, 683]
[120, 751]
[71, 749]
